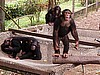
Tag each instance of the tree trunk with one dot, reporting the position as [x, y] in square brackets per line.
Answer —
[73, 5]
[77, 60]
[86, 7]
[96, 5]
[2, 16]
[51, 4]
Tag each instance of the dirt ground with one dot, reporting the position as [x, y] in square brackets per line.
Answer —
[89, 69]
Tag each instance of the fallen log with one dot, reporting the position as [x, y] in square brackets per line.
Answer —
[77, 60]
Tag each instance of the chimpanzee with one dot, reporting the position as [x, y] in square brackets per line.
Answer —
[11, 46]
[52, 15]
[30, 49]
[62, 26]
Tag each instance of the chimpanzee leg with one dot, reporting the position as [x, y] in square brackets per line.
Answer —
[14, 54]
[65, 41]
[57, 51]
[26, 55]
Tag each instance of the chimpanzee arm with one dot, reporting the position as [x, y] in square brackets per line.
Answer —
[73, 30]
[31, 55]
[26, 55]
[55, 34]
[48, 18]
[4, 48]
[16, 46]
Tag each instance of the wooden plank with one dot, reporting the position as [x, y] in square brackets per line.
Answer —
[33, 68]
[50, 37]
[22, 65]
[77, 60]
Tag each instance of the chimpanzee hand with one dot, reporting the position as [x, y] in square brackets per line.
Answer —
[76, 45]
[51, 24]
[10, 47]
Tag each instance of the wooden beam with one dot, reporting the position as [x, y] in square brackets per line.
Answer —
[50, 37]
[77, 60]
[31, 33]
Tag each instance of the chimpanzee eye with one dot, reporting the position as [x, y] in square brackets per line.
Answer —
[67, 12]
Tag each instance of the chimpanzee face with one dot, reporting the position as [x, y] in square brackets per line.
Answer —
[57, 10]
[67, 14]
[7, 42]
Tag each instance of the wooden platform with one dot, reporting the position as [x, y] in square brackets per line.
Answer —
[33, 67]
[37, 67]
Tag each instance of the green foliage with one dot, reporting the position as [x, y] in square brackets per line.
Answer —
[36, 9]
[89, 2]
[14, 9]
[25, 7]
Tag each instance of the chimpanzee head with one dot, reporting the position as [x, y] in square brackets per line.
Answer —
[7, 42]
[66, 13]
[57, 10]
[51, 11]
[33, 46]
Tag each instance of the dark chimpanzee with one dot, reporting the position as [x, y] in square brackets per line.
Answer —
[62, 26]
[52, 15]
[11, 46]
[30, 49]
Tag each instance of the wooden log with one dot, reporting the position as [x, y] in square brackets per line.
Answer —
[77, 60]
[51, 37]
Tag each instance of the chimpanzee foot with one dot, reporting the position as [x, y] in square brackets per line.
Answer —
[17, 58]
[56, 55]
[65, 55]
[10, 56]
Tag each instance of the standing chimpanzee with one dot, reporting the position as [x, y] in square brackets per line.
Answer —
[11, 46]
[52, 15]
[62, 26]
[30, 49]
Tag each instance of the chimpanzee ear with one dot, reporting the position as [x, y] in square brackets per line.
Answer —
[63, 13]
[5, 41]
